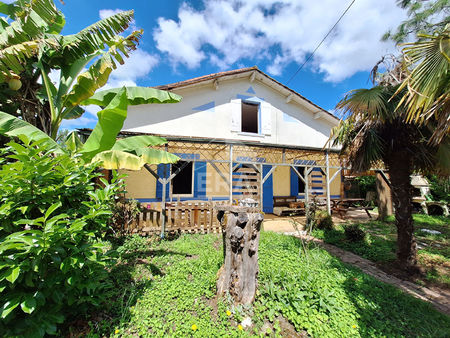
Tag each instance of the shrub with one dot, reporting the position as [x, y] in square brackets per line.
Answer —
[124, 214]
[52, 220]
[323, 220]
[354, 233]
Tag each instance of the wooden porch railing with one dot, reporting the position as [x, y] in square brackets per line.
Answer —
[184, 217]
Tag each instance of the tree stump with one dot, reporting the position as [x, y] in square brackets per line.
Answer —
[238, 275]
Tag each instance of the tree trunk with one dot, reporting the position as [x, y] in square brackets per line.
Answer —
[238, 275]
[400, 171]
[384, 198]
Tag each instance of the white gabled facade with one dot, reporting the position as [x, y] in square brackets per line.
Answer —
[229, 123]
[212, 108]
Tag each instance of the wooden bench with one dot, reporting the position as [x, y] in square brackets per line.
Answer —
[287, 205]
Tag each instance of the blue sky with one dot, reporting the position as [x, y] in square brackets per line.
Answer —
[185, 39]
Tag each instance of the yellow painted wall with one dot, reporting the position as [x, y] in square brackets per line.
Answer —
[215, 185]
[282, 181]
[139, 184]
[335, 186]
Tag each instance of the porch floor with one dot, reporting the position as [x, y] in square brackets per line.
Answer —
[286, 224]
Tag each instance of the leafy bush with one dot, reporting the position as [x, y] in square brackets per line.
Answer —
[354, 233]
[323, 220]
[124, 214]
[439, 188]
[366, 184]
[52, 219]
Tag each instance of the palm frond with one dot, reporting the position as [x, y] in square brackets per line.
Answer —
[427, 88]
[373, 103]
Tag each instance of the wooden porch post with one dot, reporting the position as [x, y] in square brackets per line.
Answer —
[231, 174]
[163, 200]
[306, 176]
[327, 176]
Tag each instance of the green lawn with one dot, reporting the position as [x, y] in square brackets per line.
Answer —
[168, 289]
[379, 244]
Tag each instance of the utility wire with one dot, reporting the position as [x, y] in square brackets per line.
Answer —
[324, 38]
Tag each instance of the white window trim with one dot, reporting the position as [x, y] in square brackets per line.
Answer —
[258, 121]
[192, 186]
[243, 133]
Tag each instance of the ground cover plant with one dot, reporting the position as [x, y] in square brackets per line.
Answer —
[53, 217]
[379, 245]
[168, 289]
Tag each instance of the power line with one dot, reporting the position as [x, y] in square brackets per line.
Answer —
[324, 38]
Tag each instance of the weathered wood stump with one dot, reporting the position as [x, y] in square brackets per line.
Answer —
[240, 229]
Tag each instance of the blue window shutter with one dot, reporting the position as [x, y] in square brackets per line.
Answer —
[294, 183]
[200, 179]
[160, 173]
[267, 190]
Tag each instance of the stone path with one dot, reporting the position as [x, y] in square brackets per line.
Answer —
[439, 299]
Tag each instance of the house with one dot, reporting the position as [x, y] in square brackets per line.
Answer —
[239, 134]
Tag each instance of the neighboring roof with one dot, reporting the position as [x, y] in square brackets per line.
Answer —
[238, 73]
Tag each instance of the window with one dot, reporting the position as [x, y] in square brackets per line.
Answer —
[249, 122]
[182, 182]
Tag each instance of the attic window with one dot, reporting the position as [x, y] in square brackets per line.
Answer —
[182, 183]
[249, 117]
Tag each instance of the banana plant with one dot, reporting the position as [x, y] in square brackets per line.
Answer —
[31, 46]
[102, 145]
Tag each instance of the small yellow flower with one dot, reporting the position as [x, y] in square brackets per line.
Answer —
[194, 327]
[240, 327]
[117, 331]
[354, 326]
[228, 313]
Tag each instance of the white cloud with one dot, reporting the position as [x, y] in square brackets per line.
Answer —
[105, 13]
[227, 31]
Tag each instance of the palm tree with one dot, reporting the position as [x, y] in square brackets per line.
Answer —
[427, 94]
[374, 131]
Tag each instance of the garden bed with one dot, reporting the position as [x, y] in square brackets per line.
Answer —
[432, 235]
[168, 288]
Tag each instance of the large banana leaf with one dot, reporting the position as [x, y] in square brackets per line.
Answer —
[135, 96]
[13, 126]
[110, 119]
[97, 75]
[110, 122]
[155, 156]
[136, 142]
[96, 36]
[73, 142]
[116, 159]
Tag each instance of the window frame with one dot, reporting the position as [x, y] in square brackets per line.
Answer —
[258, 117]
[192, 178]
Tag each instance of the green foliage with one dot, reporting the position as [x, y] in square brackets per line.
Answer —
[124, 213]
[421, 19]
[52, 220]
[323, 220]
[366, 183]
[439, 188]
[166, 287]
[354, 233]
[379, 244]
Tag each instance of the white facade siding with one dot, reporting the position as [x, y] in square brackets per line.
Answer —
[210, 113]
